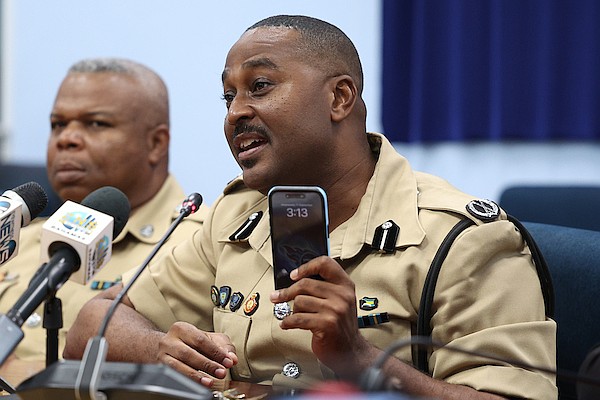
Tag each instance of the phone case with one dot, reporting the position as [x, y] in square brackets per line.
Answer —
[299, 228]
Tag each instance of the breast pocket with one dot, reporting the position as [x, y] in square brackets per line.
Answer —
[237, 327]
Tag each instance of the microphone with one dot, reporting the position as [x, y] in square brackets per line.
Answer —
[88, 379]
[82, 236]
[373, 379]
[93, 378]
[88, 228]
[18, 207]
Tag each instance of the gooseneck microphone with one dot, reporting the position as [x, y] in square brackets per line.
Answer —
[18, 207]
[90, 373]
[75, 233]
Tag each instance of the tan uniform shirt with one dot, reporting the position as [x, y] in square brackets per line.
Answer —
[488, 296]
[145, 227]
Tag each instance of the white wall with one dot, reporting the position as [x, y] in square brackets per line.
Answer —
[186, 42]
[485, 169]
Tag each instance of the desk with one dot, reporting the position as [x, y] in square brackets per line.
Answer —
[15, 371]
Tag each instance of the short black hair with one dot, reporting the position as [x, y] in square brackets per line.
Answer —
[323, 44]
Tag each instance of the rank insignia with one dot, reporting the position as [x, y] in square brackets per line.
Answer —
[368, 303]
[224, 294]
[485, 210]
[214, 295]
[384, 239]
[236, 301]
[247, 227]
[251, 305]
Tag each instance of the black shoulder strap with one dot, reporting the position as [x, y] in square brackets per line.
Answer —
[424, 319]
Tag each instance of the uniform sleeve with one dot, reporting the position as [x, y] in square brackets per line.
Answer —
[488, 300]
[176, 287]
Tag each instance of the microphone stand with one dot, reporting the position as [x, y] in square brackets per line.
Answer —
[53, 321]
[94, 357]
[6, 386]
[95, 378]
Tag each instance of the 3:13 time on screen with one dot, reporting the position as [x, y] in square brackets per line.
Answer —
[297, 212]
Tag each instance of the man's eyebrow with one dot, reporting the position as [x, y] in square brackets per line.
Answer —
[264, 62]
[91, 114]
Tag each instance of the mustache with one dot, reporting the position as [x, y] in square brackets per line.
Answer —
[247, 128]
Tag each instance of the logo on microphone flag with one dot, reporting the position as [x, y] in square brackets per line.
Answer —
[86, 230]
[10, 228]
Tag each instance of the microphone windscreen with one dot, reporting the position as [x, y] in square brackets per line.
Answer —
[33, 196]
[111, 201]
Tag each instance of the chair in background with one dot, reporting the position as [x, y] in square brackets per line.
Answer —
[13, 175]
[574, 206]
[573, 258]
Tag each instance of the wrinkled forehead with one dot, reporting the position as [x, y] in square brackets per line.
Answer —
[263, 43]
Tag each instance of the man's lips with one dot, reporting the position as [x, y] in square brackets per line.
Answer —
[69, 173]
[247, 145]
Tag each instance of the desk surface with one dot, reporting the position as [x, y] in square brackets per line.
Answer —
[15, 371]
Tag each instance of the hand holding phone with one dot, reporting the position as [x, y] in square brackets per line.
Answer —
[299, 228]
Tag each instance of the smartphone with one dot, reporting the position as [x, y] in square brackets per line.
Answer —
[299, 228]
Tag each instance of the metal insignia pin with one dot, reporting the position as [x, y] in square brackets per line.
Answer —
[485, 210]
[147, 231]
[282, 310]
[291, 370]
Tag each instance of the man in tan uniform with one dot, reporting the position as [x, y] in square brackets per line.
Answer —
[295, 116]
[109, 127]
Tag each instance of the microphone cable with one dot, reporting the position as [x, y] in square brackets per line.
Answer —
[373, 379]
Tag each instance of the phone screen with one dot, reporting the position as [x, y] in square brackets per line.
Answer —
[299, 229]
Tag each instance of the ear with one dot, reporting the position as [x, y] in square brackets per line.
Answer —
[344, 97]
[158, 144]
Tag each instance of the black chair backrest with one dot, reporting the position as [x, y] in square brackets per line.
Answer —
[573, 258]
[574, 206]
[13, 175]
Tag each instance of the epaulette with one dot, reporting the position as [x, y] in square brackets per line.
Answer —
[437, 194]
[234, 184]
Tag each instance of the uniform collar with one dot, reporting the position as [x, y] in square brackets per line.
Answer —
[391, 195]
[148, 226]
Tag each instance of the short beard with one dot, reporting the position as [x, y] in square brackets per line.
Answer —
[248, 163]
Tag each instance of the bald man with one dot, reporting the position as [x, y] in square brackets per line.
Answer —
[109, 127]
